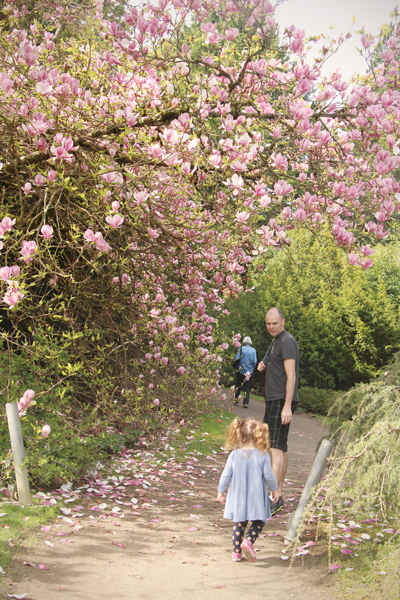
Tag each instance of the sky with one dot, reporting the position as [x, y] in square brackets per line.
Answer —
[316, 16]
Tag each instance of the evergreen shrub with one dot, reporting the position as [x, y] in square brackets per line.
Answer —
[317, 400]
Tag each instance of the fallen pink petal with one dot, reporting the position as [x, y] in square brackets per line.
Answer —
[335, 566]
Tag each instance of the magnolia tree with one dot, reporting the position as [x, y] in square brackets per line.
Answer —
[141, 161]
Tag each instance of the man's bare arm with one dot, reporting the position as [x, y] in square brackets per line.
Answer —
[290, 370]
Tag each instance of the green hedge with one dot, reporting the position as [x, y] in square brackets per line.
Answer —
[316, 400]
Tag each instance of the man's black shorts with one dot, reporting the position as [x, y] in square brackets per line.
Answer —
[278, 433]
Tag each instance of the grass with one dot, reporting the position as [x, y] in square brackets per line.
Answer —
[18, 523]
[204, 436]
[376, 575]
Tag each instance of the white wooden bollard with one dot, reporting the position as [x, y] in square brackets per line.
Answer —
[17, 448]
[314, 477]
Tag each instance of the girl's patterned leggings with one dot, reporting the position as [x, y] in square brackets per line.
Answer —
[238, 533]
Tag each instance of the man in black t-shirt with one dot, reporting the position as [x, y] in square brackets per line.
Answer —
[281, 366]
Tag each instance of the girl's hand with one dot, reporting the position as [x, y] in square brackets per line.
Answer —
[220, 497]
[275, 496]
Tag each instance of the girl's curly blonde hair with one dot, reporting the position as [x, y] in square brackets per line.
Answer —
[246, 431]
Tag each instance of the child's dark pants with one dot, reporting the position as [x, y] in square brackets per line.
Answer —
[238, 533]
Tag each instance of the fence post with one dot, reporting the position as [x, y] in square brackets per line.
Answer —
[17, 448]
[314, 477]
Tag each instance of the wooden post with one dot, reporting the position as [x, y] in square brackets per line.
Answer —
[17, 448]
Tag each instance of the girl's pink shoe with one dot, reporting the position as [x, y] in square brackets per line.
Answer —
[248, 551]
[236, 556]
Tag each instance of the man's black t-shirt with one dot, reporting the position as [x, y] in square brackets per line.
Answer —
[283, 346]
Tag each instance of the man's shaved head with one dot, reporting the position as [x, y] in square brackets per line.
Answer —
[275, 321]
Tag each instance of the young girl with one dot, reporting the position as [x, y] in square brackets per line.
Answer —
[248, 472]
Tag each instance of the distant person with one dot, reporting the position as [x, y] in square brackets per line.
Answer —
[246, 368]
[281, 366]
[248, 472]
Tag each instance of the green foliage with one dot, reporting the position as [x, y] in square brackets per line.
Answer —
[345, 320]
[377, 577]
[364, 473]
[19, 521]
[316, 400]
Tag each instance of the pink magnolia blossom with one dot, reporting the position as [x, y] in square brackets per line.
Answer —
[115, 206]
[115, 221]
[41, 144]
[39, 179]
[224, 346]
[98, 239]
[12, 298]
[5, 273]
[164, 361]
[141, 197]
[367, 264]
[354, 259]
[242, 217]
[280, 162]
[156, 402]
[380, 216]
[334, 209]
[182, 422]
[300, 215]
[367, 251]
[181, 370]
[153, 233]
[276, 132]
[15, 271]
[125, 278]
[44, 88]
[51, 175]
[46, 430]
[265, 201]
[27, 188]
[102, 245]
[53, 281]
[25, 401]
[89, 235]
[60, 152]
[113, 177]
[236, 182]
[47, 232]
[28, 250]
[6, 225]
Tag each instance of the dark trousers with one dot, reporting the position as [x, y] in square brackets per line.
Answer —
[243, 385]
[238, 533]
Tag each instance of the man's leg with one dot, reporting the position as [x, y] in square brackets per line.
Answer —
[279, 464]
[278, 440]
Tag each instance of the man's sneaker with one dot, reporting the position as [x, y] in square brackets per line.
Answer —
[277, 506]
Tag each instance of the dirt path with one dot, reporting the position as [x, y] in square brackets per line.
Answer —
[173, 542]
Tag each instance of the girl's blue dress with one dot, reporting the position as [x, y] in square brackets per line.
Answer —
[248, 472]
